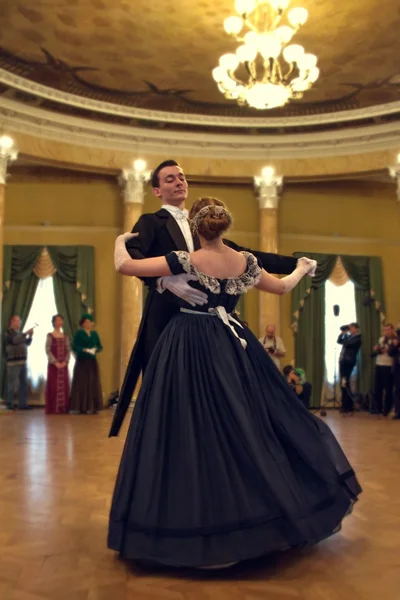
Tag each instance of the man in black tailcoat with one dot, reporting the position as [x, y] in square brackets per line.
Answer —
[160, 233]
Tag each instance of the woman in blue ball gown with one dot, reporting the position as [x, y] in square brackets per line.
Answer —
[221, 463]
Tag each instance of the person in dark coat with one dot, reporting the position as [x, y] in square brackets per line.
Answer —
[350, 339]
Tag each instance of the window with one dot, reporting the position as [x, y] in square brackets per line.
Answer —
[344, 297]
[42, 310]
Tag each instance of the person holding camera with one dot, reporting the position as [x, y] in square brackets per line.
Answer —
[350, 340]
[394, 352]
[16, 347]
[296, 380]
[273, 345]
[384, 371]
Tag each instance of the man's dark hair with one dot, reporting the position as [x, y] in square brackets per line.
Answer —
[287, 370]
[155, 180]
[354, 325]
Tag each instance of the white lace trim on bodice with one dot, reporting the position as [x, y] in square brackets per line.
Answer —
[234, 285]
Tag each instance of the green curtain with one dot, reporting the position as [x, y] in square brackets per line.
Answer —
[19, 288]
[361, 269]
[73, 283]
[308, 322]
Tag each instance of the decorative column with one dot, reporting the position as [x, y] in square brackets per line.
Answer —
[395, 173]
[133, 181]
[8, 152]
[268, 186]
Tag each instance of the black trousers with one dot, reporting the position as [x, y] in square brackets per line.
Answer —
[396, 377]
[383, 384]
[345, 371]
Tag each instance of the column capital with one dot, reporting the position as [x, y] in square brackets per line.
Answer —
[268, 186]
[8, 152]
[133, 180]
[395, 174]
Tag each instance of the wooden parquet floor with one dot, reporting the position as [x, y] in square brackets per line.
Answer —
[56, 480]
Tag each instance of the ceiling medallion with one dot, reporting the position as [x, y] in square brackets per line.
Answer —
[265, 72]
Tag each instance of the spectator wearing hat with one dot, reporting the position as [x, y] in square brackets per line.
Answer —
[86, 394]
[296, 378]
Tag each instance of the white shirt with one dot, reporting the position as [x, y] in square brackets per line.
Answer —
[182, 218]
[277, 342]
[383, 360]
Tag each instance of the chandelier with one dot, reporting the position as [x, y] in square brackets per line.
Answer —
[265, 72]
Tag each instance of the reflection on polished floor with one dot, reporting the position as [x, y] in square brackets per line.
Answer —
[56, 480]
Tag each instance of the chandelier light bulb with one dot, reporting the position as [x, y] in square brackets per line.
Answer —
[6, 142]
[269, 45]
[228, 84]
[219, 74]
[245, 7]
[398, 158]
[313, 75]
[299, 85]
[251, 38]
[233, 25]
[139, 165]
[297, 16]
[230, 62]
[279, 4]
[246, 53]
[285, 33]
[293, 53]
[308, 62]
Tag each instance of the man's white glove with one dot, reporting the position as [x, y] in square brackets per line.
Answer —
[179, 286]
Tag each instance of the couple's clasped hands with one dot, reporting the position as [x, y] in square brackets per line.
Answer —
[179, 284]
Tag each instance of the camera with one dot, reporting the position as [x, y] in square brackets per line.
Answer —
[345, 328]
[271, 349]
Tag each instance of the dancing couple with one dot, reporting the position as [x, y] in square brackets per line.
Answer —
[221, 463]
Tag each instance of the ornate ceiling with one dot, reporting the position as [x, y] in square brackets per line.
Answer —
[159, 55]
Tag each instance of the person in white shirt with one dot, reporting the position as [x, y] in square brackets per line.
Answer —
[384, 371]
[274, 345]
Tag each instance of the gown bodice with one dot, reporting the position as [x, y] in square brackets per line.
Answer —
[220, 292]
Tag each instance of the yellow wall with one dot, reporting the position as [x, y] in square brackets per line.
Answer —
[342, 218]
[81, 210]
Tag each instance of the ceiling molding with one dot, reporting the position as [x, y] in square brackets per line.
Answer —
[44, 124]
[48, 93]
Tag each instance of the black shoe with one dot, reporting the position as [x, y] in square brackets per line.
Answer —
[25, 408]
[396, 418]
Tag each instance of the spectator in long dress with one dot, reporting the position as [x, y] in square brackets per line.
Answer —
[86, 393]
[58, 350]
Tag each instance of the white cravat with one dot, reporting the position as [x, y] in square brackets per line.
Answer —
[182, 218]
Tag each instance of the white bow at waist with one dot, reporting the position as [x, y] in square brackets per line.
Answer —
[225, 317]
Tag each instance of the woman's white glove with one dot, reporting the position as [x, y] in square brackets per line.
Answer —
[305, 266]
[121, 254]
